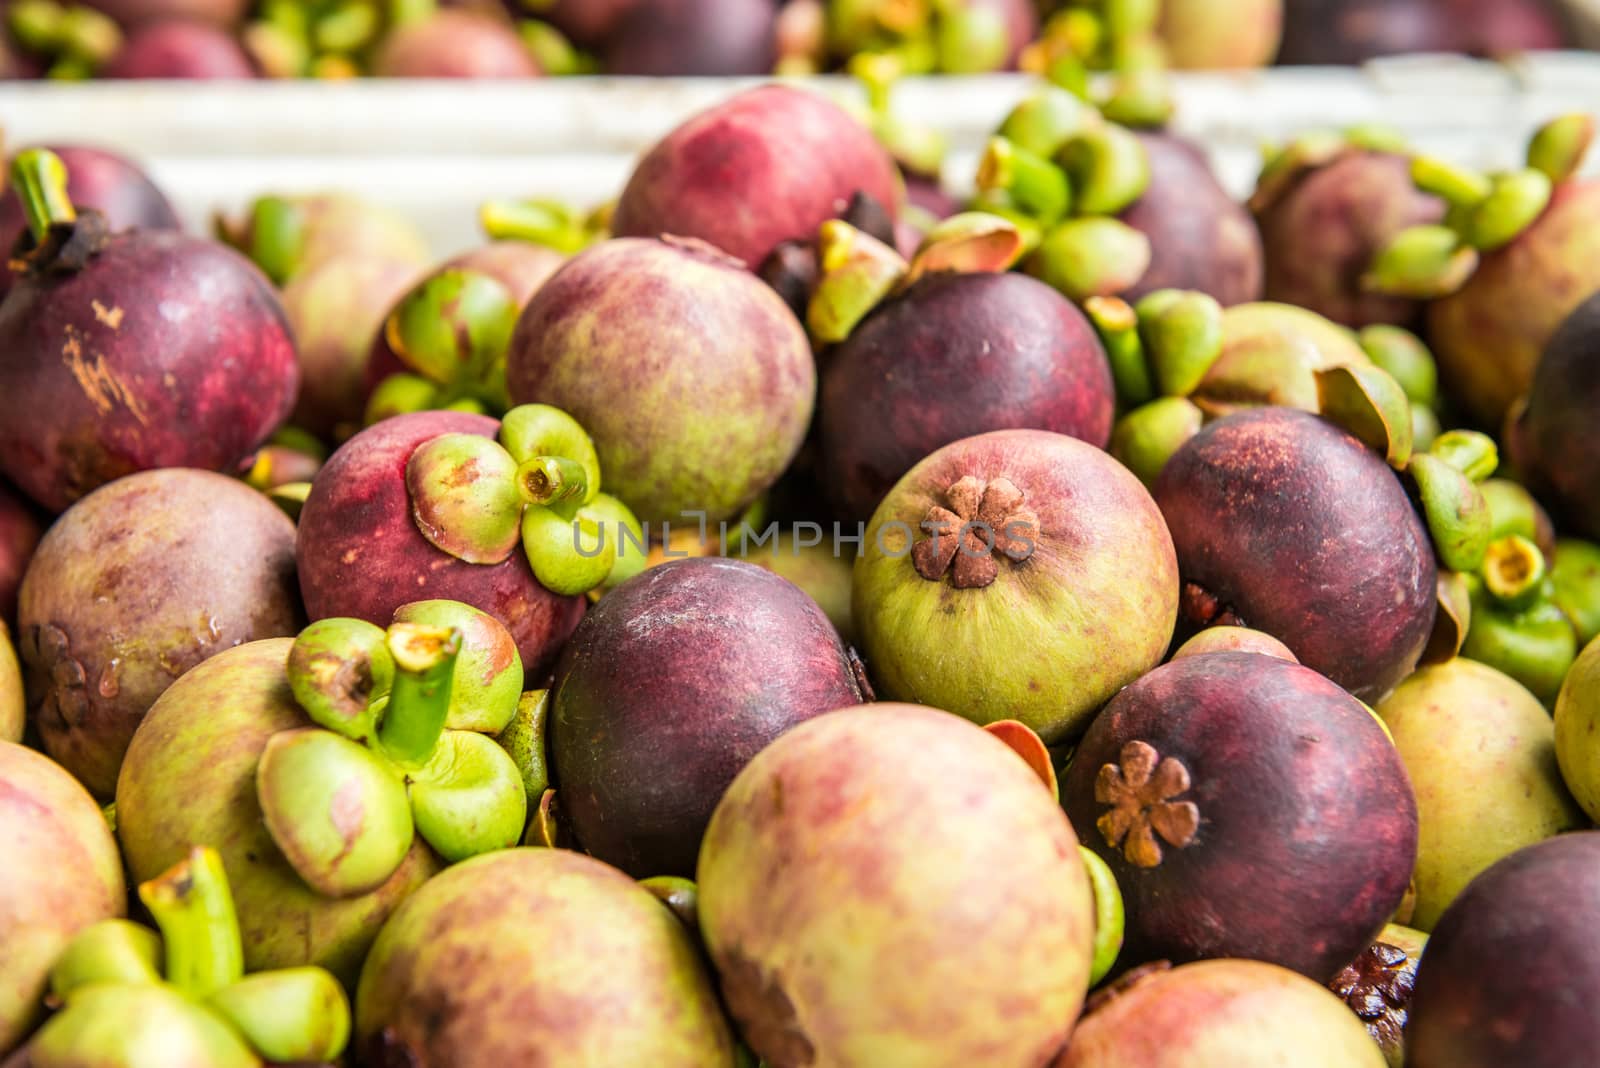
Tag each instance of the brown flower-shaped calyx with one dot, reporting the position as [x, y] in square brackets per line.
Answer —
[1140, 791]
[1377, 985]
[981, 520]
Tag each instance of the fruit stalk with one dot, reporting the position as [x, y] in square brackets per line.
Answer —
[193, 906]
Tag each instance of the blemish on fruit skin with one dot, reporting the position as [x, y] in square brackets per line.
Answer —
[111, 317]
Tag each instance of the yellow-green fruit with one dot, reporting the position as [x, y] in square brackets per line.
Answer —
[1578, 730]
[1480, 750]
[539, 956]
[190, 779]
[59, 874]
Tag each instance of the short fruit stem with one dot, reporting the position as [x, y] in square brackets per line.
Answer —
[546, 480]
[192, 905]
[40, 179]
[1513, 571]
[535, 221]
[419, 703]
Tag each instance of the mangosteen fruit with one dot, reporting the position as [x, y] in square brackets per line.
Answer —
[1490, 334]
[1249, 808]
[136, 584]
[586, 22]
[1501, 980]
[879, 945]
[335, 309]
[1552, 435]
[538, 956]
[190, 778]
[1235, 35]
[1272, 510]
[767, 166]
[1322, 224]
[1577, 727]
[953, 355]
[179, 48]
[454, 43]
[1019, 575]
[1241, 1013]
[694, 38]
[361, 553]
[129, 351]
[61, 874]
[1200, 237]
[1378, 985]
[1481, 753]
[693, 377]
[110, 183]
[669, 686]
[20, 531]
[1344, 32]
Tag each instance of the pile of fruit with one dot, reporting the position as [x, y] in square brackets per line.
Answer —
[77, 39]
[792, 615]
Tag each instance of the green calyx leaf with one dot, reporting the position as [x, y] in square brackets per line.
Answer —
[469, 798]
[293, 1015]
[111, 951]
[453, 329]
[335, 809]
[464, 497]
[856, 273]
[338, 668]
[1091, 257]
[1536, 646]
[1456, 514]
[1182, 333]
[523, 741]
[1559, 147]
[1108, 168]
[1147, 437]
[1370, 404]
[1109, 916]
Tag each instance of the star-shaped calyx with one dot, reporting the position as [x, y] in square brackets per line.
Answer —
[1140, 790]
[981, 519]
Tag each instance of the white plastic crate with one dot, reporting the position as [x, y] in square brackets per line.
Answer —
[435, 150]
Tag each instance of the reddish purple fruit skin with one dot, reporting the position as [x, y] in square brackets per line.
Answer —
[1342, 32]
[770, 165]
[1508, 974]
[454, 43]
[1322, 235]
[588, 22]
[1556, 441]
[1308, 824]
[695, 38]
[360, 553]
[164, 351]
[20, 531]
[954, 356]
[1200, 237]
[1306, 534]
[671, 685]
[180, 49]
[112, 184]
